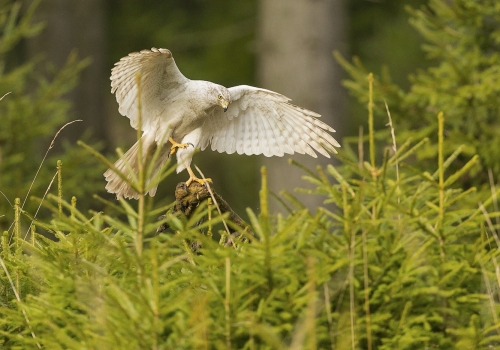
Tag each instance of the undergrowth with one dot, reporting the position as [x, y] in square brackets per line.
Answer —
[401, 262]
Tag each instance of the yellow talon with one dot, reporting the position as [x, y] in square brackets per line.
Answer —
[192, 177]
[200, 181]
[176, 145]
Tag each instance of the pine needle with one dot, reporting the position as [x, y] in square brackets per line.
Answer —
[19, 301]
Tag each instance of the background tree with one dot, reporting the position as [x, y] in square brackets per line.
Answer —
[296, 40]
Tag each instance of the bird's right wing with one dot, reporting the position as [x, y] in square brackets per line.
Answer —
[161, 81]
[260, 121]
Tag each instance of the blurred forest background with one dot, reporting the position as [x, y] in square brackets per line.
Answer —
[276, 44]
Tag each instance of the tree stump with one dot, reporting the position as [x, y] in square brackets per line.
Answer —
[187, 199]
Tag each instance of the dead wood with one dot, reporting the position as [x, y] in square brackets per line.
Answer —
[187, 199]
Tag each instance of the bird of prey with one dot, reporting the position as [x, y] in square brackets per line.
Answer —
[193, 114]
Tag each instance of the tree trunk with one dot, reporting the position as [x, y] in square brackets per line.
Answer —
[74, 24]
[296, 42]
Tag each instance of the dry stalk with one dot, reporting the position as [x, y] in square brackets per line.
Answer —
[217, 206]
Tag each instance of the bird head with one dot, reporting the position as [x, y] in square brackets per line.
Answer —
[223, 98]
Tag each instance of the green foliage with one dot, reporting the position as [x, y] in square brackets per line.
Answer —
[462, 39]
[32, 114]
[402, 262]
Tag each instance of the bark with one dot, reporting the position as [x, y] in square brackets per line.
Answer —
[187, 199]
[296, 42]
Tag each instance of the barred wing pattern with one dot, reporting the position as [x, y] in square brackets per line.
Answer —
[260, 121]
[161, 80]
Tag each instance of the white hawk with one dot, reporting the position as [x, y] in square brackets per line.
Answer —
[193, 114]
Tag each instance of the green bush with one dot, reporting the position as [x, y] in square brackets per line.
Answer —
[462, 41]
[401, 263]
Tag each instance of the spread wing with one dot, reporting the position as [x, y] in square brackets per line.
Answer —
[260, 121]
[161, 80]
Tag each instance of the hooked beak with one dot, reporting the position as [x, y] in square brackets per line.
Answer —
[225, 105]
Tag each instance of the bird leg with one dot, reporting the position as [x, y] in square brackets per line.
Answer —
[192, 177]
[176, 145]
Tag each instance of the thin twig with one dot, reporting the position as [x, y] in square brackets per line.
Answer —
[370, 122]
[394, 147]
[5, 95]
[490, 294]
[350, 247]
[495, 236]
[490, 224]
[329, 314]
[227, 303]
[3, 194]
[217, 205]
[494, 195]
[440, 221]
[360, 148]
[50, 147]
[366, 292]
[40, 167]
[40, 205]
[351, 288]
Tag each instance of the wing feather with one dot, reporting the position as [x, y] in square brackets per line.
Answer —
[222, 140]
[286, 138]
[231, 135]
[161, 80]
[263, 145]
[311, 134]
[311, 122]
[306, 137]
[240, 139]
[272, 136]
[260, 121]
[248, 134]
[254, 139]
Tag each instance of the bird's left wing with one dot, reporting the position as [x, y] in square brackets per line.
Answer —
[260, 121]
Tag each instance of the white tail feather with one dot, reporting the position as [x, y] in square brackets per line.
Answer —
[128, 164]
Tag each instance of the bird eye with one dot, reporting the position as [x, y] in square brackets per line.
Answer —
[220, 97]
